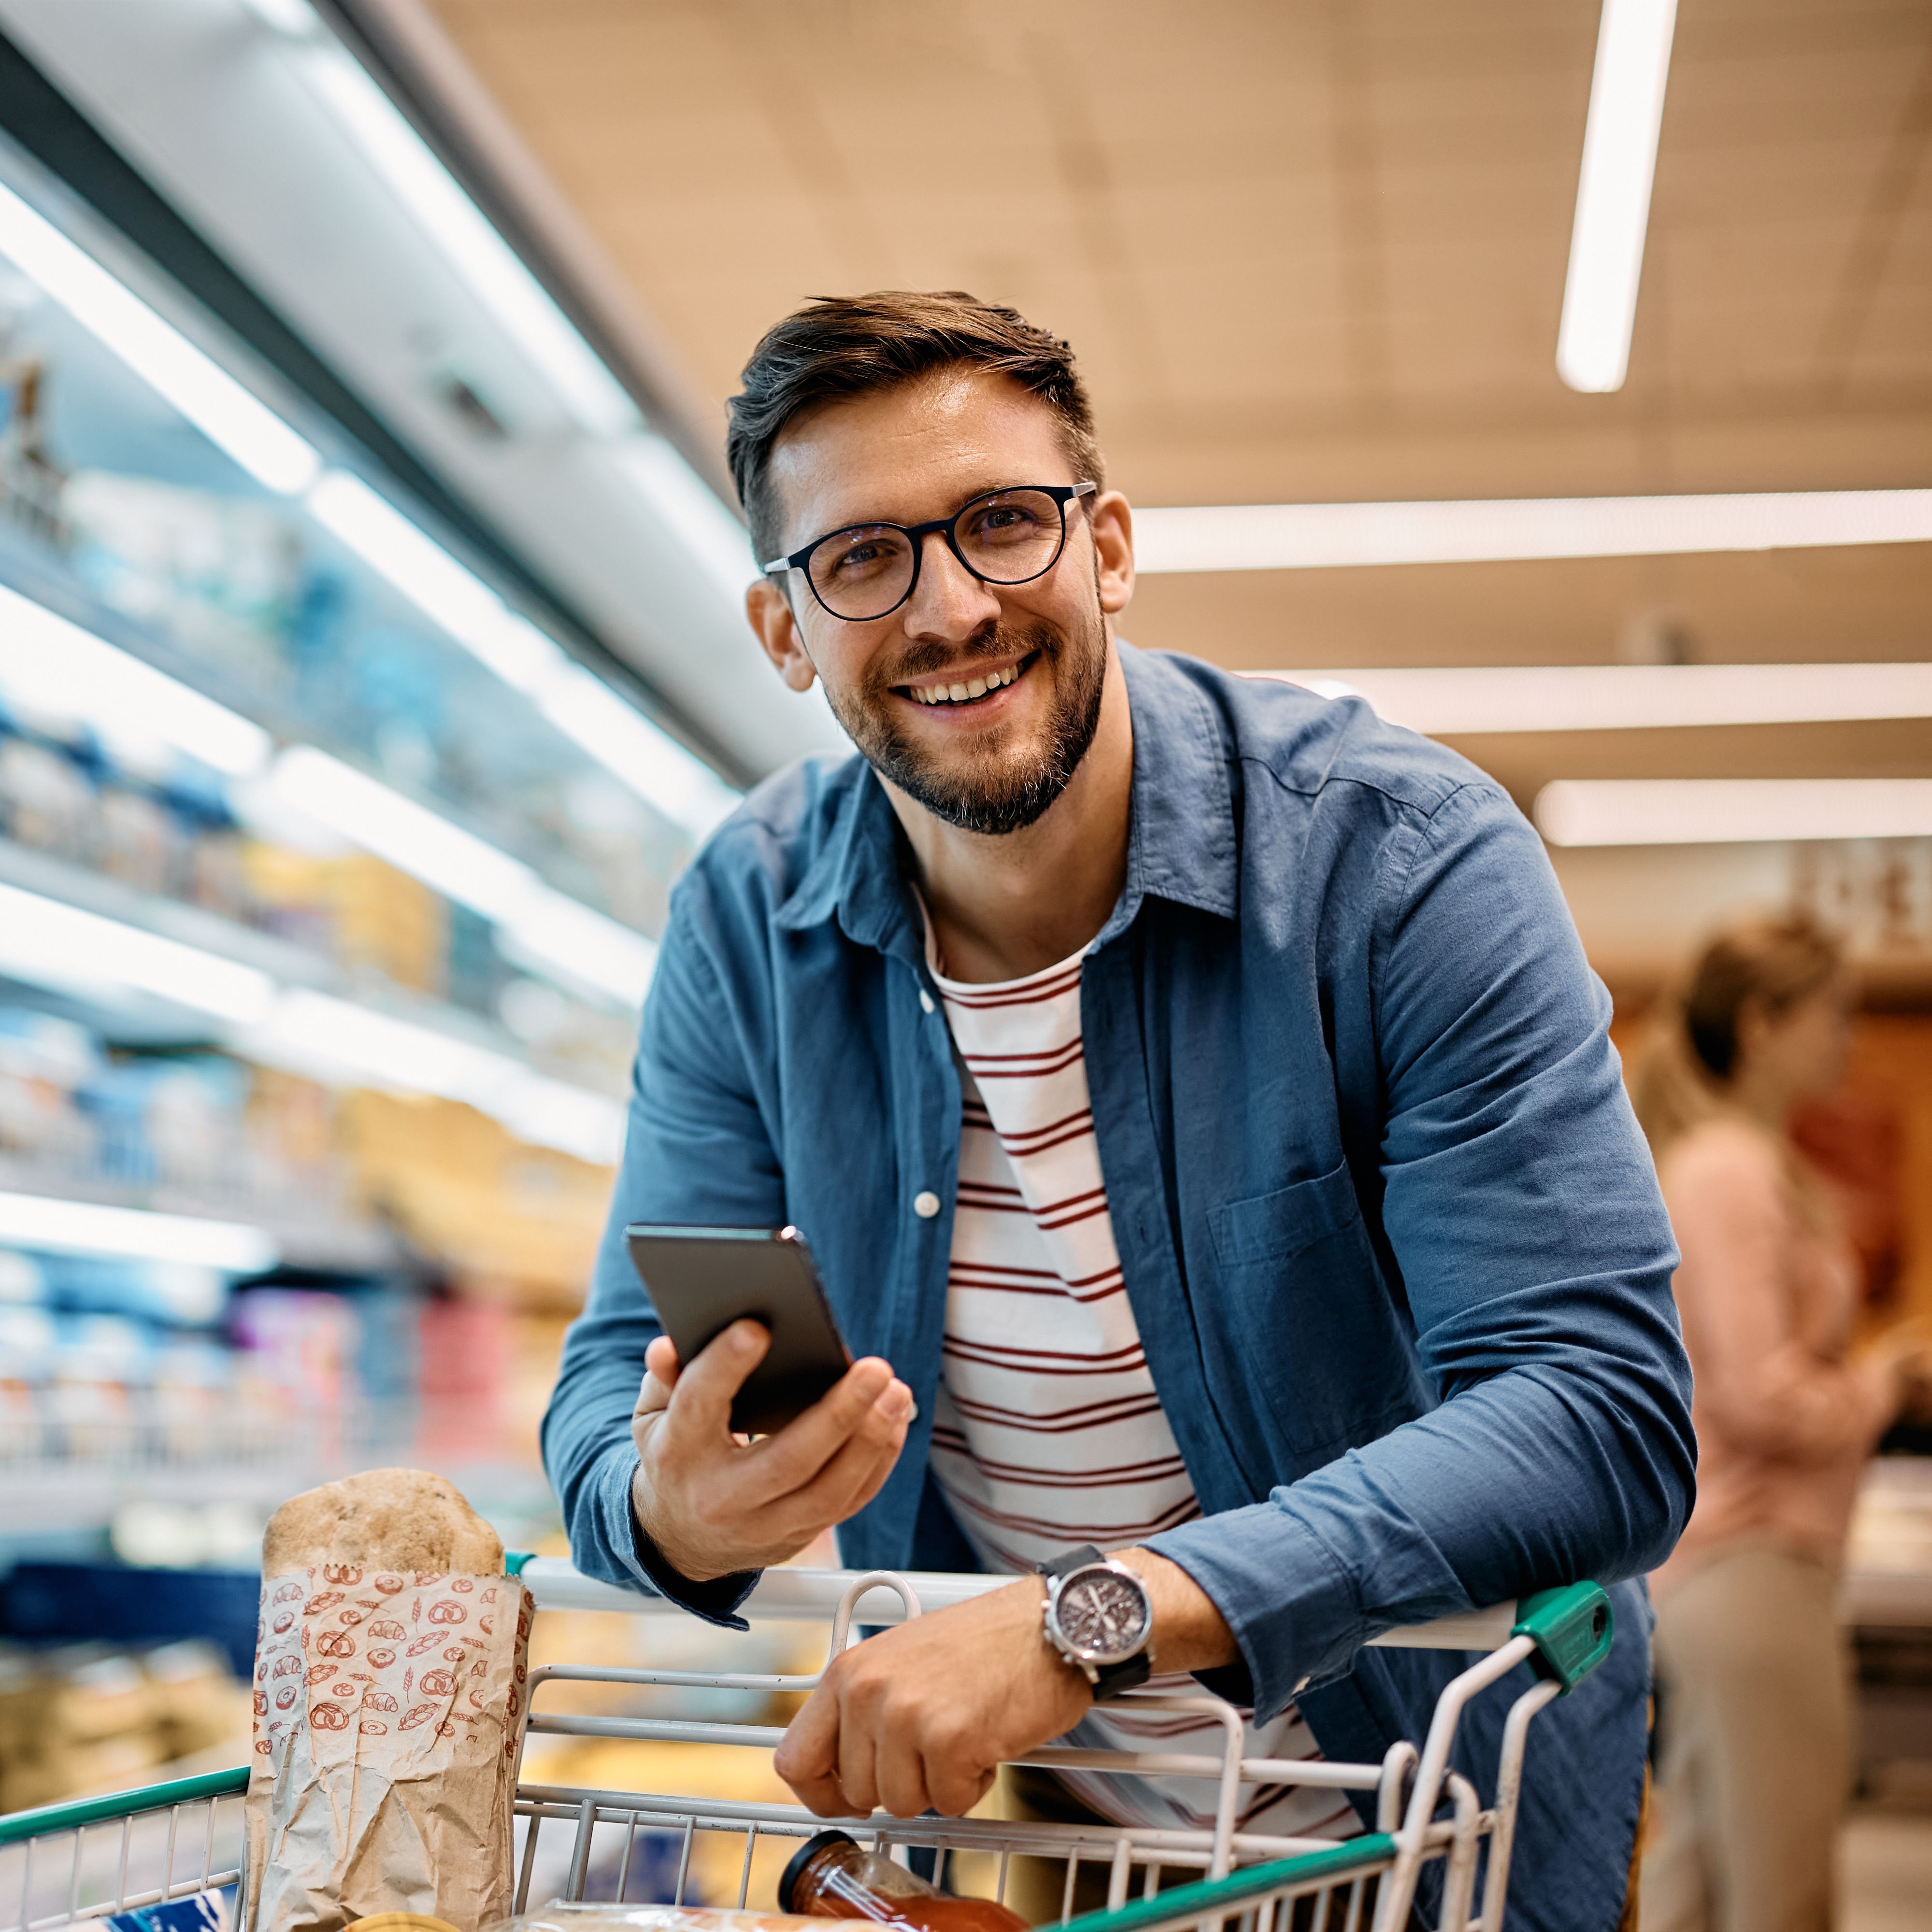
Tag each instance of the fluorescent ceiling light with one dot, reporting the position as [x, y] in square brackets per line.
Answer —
[51, 944]
[225, 412]
[1701, 812]
[1328, 536]
[53, 665]
[672, 780]
[1613, 189]
[519, 302]
[89, 1227]
[588, 948]
[1446, 701]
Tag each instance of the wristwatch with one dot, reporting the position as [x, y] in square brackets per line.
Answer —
[1099, 1617]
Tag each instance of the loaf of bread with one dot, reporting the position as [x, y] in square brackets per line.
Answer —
[396, 1520]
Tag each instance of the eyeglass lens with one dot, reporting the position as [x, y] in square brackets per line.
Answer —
[1007, 538]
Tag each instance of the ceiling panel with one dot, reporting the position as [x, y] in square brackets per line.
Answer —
[1310, 249]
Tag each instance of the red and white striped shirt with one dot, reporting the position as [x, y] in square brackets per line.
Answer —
[1048, 1432]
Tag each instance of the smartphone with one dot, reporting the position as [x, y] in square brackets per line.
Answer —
[701, 1280]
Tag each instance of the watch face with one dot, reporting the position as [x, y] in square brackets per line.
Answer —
[1103, 1615]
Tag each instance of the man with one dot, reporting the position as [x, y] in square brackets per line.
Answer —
[1202, 1114]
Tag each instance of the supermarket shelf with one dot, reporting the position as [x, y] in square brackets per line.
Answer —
[288, 965]
[305, 1234]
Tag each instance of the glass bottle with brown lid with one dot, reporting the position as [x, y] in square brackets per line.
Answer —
[833, 1876]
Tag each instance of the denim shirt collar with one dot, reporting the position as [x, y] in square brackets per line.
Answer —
[1181, 845]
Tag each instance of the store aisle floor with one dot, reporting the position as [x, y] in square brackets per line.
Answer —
[1885, 1873]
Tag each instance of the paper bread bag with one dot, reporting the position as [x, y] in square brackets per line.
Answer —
[388, 1709]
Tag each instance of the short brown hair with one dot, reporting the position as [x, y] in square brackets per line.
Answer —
[838, 347]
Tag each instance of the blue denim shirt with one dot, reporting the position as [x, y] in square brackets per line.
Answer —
[1391, 1236]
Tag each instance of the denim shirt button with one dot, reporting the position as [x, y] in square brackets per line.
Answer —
[925, 1001]
[925, 1204]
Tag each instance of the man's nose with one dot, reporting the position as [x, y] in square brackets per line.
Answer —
[948, 601]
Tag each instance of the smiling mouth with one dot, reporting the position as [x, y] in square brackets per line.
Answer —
[969, 691]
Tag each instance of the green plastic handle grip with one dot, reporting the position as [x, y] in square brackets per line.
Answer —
[1572, 1629]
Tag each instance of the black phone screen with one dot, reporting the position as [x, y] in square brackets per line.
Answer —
[701, 1280]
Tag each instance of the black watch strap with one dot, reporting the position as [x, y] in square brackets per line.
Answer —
[1069, 1561]
[1111, 1679]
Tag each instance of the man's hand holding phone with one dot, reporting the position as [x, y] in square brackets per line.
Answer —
[713, 1503]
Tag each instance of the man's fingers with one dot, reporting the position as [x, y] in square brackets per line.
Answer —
[855, 1474]
[807, 1757]
[854, 1404]
[899, 1770]
[702, 1400]
[660, 1377]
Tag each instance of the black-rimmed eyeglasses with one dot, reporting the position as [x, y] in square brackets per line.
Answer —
[867, 570]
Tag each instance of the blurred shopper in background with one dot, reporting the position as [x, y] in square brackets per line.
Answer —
[1754, 1727]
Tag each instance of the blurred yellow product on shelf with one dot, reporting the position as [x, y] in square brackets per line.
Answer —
[482, 1201]
[399, 1922]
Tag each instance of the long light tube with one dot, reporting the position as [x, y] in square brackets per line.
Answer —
[1613, 192]
[560, 933]
[52, 943]
[47, 662]
[1725, 811]
[494, 271]
[650, 761]
[227, 414]
[91, 1228]
[1447, 701]
[334, 1040]
[1330, 536]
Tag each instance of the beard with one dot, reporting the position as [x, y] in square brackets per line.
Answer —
[999, 788]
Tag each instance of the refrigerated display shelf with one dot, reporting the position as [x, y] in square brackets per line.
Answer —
[304, 1234]
[287, 965]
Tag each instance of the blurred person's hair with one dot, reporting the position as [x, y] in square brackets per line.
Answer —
[1682, 1074]
[837, 347]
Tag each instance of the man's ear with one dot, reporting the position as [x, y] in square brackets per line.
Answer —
[770, 614]
[1113, 550]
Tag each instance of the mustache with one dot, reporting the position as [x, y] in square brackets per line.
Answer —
[993, 640]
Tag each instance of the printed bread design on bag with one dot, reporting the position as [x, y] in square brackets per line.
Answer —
[323, 1664]
[391, 1680]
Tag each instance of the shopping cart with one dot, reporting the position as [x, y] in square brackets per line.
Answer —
[577, 1845]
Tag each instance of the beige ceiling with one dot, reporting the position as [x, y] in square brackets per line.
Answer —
[1317, 250]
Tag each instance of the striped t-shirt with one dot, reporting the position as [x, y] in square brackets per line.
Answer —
[1048, 1432]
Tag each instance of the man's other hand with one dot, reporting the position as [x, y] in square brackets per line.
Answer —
[713, 1503]
[919, 1718]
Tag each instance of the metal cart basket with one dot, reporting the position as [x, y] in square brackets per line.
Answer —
[97, 1856]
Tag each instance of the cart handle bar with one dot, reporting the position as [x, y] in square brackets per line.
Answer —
[78, 1813]
[1570, 1627]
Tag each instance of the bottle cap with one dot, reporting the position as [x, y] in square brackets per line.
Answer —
[803, 1856]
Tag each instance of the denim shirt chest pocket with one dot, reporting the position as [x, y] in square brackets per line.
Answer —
[1319, 1329]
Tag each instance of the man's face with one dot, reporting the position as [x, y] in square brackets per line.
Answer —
[990, 763]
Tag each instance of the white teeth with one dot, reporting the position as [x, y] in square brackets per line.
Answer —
[962, 693]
